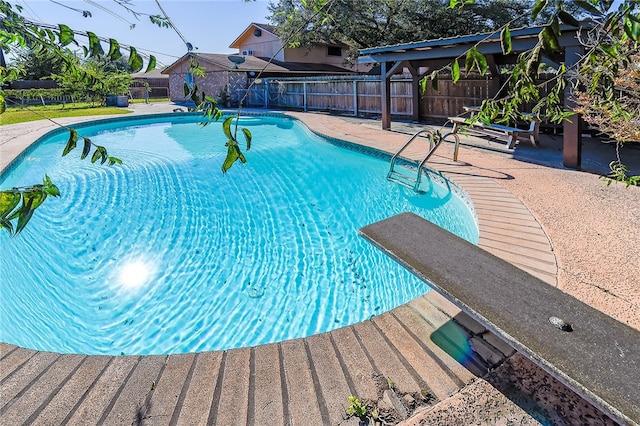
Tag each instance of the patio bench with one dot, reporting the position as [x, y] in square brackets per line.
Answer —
[590, 352]
[493, 130]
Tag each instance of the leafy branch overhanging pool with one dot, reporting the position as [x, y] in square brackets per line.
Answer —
[164, 254]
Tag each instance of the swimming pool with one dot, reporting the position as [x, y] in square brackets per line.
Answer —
[164, 254]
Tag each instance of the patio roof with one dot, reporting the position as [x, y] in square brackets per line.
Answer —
[437, 53]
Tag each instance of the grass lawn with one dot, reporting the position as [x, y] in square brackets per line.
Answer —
[15, 115]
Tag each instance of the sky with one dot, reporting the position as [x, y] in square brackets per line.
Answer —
[209, 25]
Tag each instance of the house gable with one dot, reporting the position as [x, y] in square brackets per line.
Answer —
[259, 40]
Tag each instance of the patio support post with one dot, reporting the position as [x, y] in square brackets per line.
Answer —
[496, 83]
[385, 95]
[572, 132]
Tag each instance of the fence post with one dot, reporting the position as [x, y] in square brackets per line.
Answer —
[304, 95]
[266, 94]
[355, 98]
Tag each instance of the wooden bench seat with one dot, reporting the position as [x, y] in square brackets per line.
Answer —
[513, 133]
[599, 358]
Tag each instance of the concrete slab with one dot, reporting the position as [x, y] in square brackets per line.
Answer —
[268, 401]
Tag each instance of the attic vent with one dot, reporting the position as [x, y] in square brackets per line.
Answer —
[247, 52]
[257, 32]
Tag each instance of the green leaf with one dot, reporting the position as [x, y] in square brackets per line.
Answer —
[468, 63]
[4, 223]
[95, 48]
[71, 143]
[226, 128]
[537, 8]
[549, 39]
[247, 136]
[505, 39]
[114, 160]
[609, 50]
[455, 71]
[632, 29]
[103, 154]
[100, 154]
[232, 156]
[8, 202]
[186, 90]
[66, 35]
[114, 50]
[533, 61]
[423, 85]
[86, 149]
[3, 104]
[555, 26]
[135, 60]
[52, 190]
[241, 155]
[475, 59]
[49, 188]
[568, 19]
[434, 78]
[51, 35]
[588, 7]
[30, 202]
[96, 155]
[152, 63]
[195, 98]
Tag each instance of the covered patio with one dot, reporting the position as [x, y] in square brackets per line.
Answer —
[422, 58]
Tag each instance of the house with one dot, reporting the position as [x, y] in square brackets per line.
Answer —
[261, 40]
[260, 52]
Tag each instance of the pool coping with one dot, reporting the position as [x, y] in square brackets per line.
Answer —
[516, 237]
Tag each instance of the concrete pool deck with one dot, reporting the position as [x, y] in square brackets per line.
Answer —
[564, 226]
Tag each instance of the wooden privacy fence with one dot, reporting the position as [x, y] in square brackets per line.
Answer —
[353, 95]
[360, 95]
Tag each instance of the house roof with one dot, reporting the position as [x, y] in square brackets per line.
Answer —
[156, 73]
[304, 67]
[255, 64]
[252, 27]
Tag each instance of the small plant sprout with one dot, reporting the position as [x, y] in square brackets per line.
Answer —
[356, 408]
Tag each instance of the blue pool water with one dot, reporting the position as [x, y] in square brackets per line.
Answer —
[164, 254]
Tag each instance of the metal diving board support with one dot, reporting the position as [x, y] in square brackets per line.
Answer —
[435, 140]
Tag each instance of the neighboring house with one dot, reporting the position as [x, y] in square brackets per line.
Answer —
[227, 80]
[260, 40]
